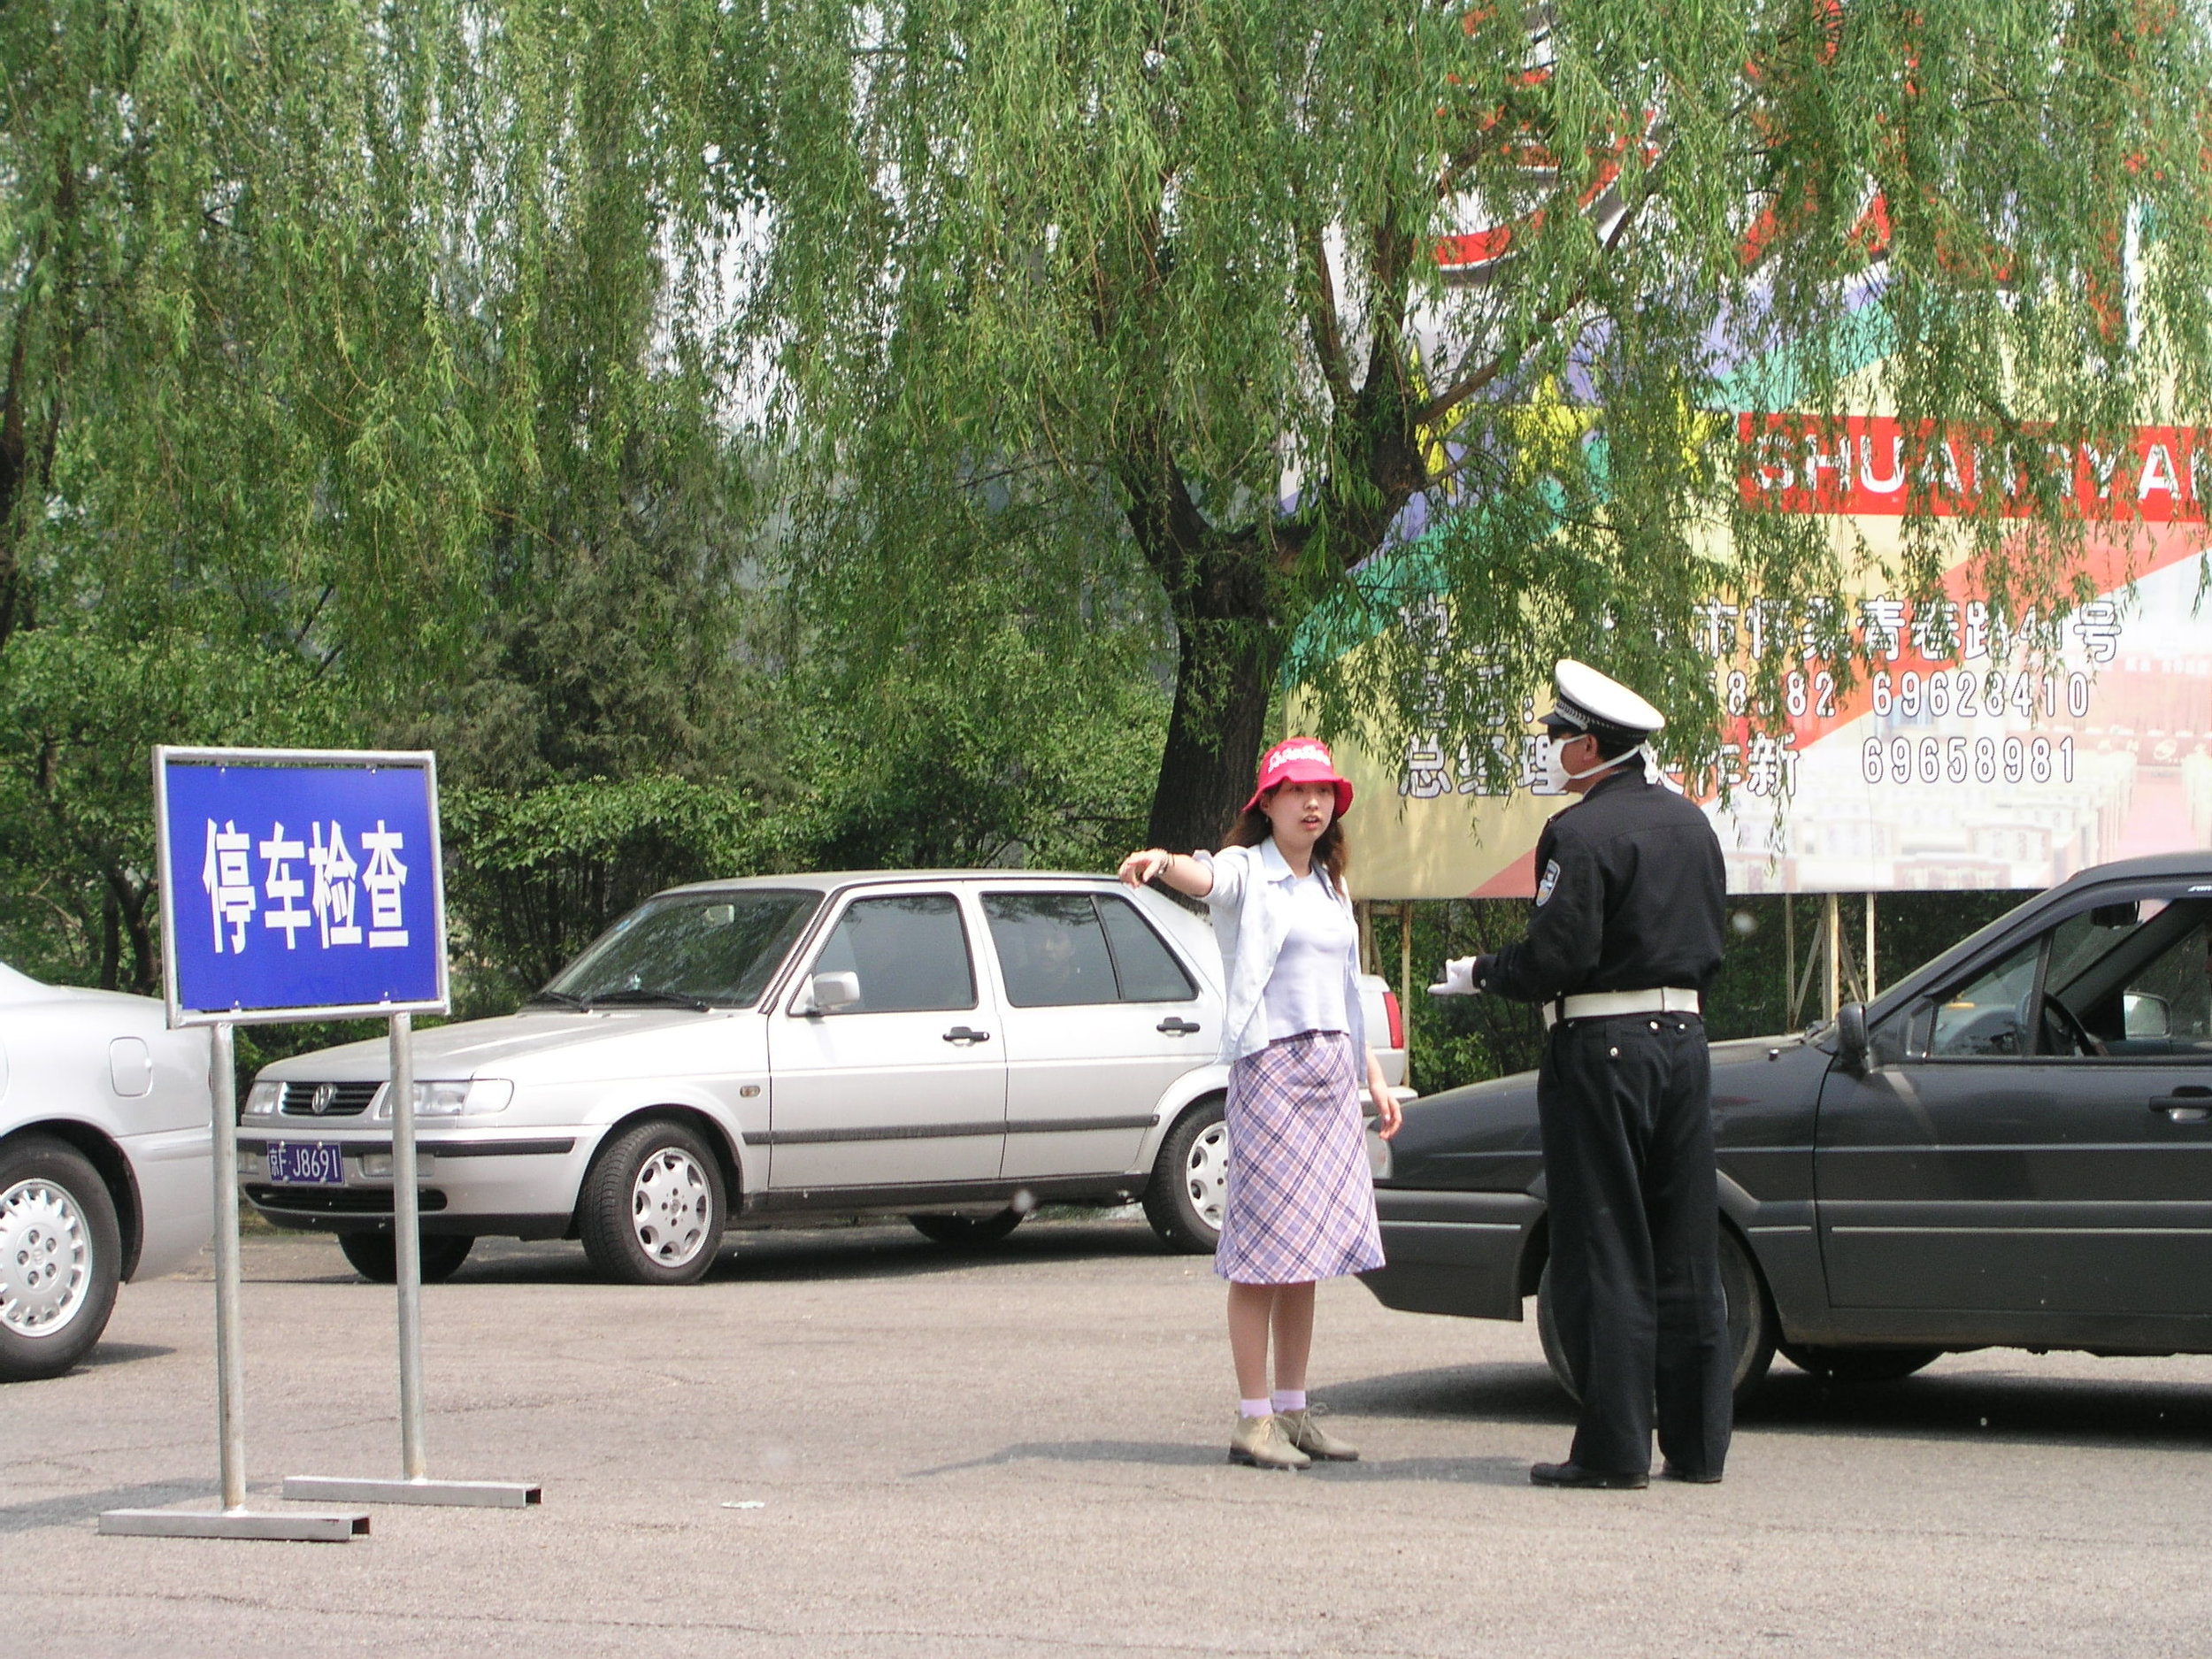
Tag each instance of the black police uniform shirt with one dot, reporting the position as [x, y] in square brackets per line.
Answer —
[1631, 890]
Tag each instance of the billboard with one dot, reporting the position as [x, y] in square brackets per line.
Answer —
[1963, 755]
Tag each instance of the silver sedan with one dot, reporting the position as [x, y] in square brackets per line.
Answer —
[955, 1048]
[105, 1142]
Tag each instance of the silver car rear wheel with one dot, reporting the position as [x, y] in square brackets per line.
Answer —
[60, 1253]
[45, 1258]
[1190, 1180]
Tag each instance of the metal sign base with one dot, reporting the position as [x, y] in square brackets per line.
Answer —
[482, 1494]
[304, 1526]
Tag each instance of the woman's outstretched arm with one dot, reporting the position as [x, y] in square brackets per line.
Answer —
[1180, 870]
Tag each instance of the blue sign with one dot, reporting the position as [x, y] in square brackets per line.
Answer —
[296, 885]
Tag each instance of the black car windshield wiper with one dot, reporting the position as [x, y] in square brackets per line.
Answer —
[554, 999]
[648, 999]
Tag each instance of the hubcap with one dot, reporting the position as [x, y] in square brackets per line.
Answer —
[45, 1258]
[670, 1205]
[1206, 1177]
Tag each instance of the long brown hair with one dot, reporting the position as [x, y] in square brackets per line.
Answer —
[1331, 848]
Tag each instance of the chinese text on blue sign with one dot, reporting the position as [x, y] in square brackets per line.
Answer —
[300, 885]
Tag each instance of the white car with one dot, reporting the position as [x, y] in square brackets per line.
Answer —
[105, 1136]
[954, 1048]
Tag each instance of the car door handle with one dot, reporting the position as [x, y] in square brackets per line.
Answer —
[961, 1033]
[1177, 1027]
[2191, 1099]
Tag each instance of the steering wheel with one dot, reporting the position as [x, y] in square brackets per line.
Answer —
[2083, 1040]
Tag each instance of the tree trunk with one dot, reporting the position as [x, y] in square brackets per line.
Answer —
[1221, 591]
[1223, 682]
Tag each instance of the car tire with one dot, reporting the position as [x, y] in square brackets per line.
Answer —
[375, 1256]
[968, 1232]
[61, 1256]
[1190, 1180]
[1751, 1323]
[1854, 1365]
[652, 1209]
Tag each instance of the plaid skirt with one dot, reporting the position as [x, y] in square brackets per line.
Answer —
[1301, 1204]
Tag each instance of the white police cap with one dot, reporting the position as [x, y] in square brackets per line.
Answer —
[1591, 702]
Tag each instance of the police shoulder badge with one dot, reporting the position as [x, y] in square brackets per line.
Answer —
[1550, 880]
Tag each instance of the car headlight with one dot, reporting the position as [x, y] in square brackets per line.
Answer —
[263, 1098]
[454, 1097]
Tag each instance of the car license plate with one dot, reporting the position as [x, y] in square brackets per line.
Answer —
[305, 1163]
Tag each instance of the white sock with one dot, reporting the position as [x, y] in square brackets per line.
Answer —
[1254, 1409]
[1289, 1400]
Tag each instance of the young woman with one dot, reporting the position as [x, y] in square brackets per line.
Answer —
[1301, 1204]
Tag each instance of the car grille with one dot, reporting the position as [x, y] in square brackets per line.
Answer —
[338, 1201]
[337, 1099]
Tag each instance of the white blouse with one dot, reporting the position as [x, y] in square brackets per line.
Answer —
[1306, 990]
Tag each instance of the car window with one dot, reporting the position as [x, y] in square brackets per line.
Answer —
[910, 953]
[1988, 1016]
[718, 948]
[1051, 948]
[1148, 970]
[1069, 949]
[2130, 981]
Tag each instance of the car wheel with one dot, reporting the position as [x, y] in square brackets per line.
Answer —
[967, 1231]
[60, 1257]
[375, 1256]
[1859, 1364]
[1190, 1180]
[1751, 1323]
[652, 1206]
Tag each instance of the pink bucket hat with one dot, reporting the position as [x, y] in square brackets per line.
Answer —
[1300, 760]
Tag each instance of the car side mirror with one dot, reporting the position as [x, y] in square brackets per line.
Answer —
[1851, 1044]
[831, 992]
[2145, 1016]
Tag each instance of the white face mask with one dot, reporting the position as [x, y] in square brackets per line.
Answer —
[1556, 777]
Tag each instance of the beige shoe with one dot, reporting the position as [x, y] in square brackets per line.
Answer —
[1261, 1442]
[1310, 1437]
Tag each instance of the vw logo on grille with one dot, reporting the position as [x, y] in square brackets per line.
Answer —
[320, 1101]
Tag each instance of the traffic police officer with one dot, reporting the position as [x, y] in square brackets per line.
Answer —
[1626, 938]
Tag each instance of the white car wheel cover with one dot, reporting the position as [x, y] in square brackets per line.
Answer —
[1206, 1176]
[45, 1258]
[670, 1205]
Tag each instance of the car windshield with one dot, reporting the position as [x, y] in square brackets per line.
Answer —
[688, 950]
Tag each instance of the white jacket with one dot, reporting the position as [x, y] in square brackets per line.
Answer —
[1250, 903]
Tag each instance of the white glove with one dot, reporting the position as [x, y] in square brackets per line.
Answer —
[1459, 978]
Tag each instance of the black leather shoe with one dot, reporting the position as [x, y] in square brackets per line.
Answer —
[1575, 1475]
[1670, 1472]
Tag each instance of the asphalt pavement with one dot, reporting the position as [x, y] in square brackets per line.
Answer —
[852, 1441]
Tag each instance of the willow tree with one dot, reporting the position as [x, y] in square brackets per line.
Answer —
[330, 332]
[1244, 294]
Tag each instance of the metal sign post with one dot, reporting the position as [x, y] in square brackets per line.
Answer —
[347, 832]
[414, 1485]
[233, 1519]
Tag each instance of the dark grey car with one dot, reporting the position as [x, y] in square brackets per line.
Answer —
[2011, 1147]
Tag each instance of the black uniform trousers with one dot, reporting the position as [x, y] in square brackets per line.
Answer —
[1626, 1109]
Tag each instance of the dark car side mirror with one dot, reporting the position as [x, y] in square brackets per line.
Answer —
[1851, 1045]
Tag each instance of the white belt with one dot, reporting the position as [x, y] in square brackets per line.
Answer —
[1608, 1004]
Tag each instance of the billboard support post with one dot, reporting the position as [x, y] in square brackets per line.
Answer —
[1832, 928]
[233, 1519]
